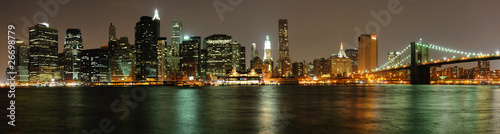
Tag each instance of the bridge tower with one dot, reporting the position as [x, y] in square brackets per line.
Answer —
[419, 74]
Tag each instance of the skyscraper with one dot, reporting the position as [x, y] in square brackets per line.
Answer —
[162, 53]
[284, 69]
[222, 55]
[122, 61]
[267, 49]
[174, 48]
[255, 56]
[21, 63]
[368, 52]
[189, 57]
[43, 53]
[146, 41]
[299, 68]
[112, 32]
[340, 65]
[353, 55]
[393, 58]
[255, 52]
[238, 58]
[176, 35]
[95, 66]
[73, 46]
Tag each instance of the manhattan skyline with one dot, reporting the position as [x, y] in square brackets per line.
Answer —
[311, 36]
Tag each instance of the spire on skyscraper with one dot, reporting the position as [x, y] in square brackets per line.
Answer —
[342, 52]
[156, 17]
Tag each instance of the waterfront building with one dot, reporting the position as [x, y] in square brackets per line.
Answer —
[189, 57]
[299, 68]
[73, 46]
[395, 57]
[284, 69]
[222, 54]
[368, 52]
[146, 41]
[353, 55]
[95, 65]
[43, 60]
[122, 61]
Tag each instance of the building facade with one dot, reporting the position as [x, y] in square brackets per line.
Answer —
[95, 65]
[353, 55]
[73, 46]
[368, 52]
[122, 61]
[146, 41]
[190, 57]
[284, 69]
[43, 58]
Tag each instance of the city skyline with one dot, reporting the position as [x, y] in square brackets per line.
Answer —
[298, 49]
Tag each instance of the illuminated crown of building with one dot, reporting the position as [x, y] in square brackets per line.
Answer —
[156, 17]
[342, 52]
[267, 49]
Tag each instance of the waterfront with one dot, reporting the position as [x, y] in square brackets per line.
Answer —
[262, 109]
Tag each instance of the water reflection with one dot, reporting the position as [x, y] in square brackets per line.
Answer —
[262, 109]
[268, 110]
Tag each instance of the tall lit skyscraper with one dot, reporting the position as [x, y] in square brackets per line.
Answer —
[146, 41]
[284, 61]
[353, 55]
[267, 49]
[189, 57]
[176, 35]
[255, 52]
[21, 61]
[162, 53]
[222, 55]
[43, 53]
[73, 47]
[174, 48]
[95, 65]
[395, 57]
[368, 52]
[112, 32]
[122, 61]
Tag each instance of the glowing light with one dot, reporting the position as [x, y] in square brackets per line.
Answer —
[156, 17]
[45, 23]
[186, 37]
[498, 52]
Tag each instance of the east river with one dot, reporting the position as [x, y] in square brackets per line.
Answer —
[256, 109]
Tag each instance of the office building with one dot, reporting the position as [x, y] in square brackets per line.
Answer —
[284, 69]
[189, 57]
[43, 58]
[95, 66]
[122, 61]
[146, 41]
[353, 55]
[394, 59]
[222, 55]
[73, 46]
[340, 65]
[368, 52]
[299, 68]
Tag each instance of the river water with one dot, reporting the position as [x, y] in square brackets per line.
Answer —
[257, 109]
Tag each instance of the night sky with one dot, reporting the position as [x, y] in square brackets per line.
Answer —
[316, 28]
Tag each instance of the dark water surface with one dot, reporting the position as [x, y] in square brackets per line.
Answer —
[258, 109]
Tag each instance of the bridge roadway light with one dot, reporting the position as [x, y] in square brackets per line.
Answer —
[498, 53]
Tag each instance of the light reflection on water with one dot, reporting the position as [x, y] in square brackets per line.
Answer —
[264, 109]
